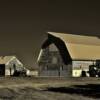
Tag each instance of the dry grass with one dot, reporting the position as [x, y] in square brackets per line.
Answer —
[31, 88]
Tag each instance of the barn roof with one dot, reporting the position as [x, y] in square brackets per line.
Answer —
[80, 47]
[6, 59]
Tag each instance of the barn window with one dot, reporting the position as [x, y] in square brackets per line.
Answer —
[54, 60]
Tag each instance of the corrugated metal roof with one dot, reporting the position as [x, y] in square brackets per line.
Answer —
[81, 47]
[78, 39]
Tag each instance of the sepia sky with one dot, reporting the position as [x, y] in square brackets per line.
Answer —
[23, 24]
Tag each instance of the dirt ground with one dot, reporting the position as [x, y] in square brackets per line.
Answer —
[32, 88]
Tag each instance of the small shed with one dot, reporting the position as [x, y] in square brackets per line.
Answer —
[8, 64]
[30, 72]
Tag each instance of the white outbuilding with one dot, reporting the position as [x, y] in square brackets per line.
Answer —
[8, 64]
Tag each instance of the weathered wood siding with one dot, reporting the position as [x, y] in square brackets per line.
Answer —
[51, 64]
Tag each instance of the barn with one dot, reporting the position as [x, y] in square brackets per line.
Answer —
[8, 64]
[67, 55]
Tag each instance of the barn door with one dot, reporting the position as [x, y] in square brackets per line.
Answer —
[2, 70]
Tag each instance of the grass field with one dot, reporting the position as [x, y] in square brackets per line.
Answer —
[31, 88]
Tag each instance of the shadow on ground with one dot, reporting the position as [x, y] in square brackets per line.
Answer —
[90, 90]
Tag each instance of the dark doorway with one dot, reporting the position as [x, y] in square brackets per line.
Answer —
[2, 69]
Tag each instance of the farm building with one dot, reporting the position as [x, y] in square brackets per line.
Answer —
[8, 64]
[31, 72]
[67, 55]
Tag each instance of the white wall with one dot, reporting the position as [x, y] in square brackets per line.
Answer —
[7, 72]
[32, 73]
[84, 65]
[79, 66]
[76, 73]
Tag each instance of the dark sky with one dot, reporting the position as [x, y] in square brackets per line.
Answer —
[23, 24]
